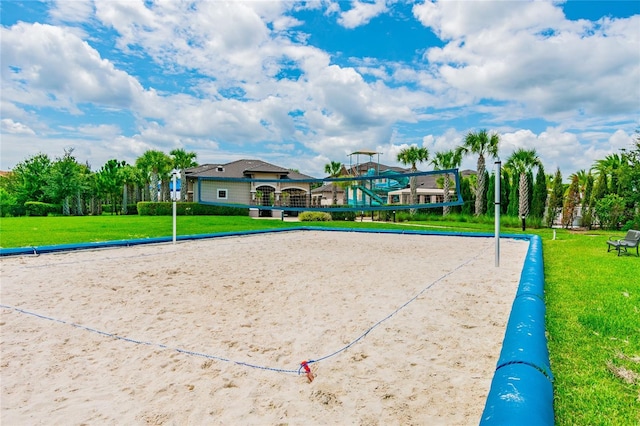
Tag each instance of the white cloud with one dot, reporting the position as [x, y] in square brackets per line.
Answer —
[221, 39]
[283, 23]
[361, 13]
[460, 20]
[10, 126]
[72, 11]
[53, 67]
[565, 150]
[99, 131]
[528, 53]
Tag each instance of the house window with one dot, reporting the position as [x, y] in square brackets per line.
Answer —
[222, 194]
[220, 169]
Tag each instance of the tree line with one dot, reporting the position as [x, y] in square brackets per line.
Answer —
[40, 186]
[606, 196]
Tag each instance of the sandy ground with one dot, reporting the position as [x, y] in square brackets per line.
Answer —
[210, 324]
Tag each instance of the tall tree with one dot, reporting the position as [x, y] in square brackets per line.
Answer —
[130, 177]
[491, 194]
[467, 197]
[469, 193]
[600, 190]
[530, 186]
[481, 143]
[611, 166]
[442, 161]
[587, 214]
[64, 180]
[556, 198]
[582, 176]
[412, 156]
[512, 207]
[485, 201]
[83, 189]
[630, 181]
[571, 201]
[539, 200]
[28, 180]
[109, 182]
[522, 161]
[506, 191]
[334, 169]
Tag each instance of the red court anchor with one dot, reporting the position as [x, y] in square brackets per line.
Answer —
[307, 370]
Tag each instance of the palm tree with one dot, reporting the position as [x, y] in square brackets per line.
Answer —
[154, 164]
[182, 160]
[413, 155]
[481, 143]
[610, 166]
[522, 161]
[130, 176]
[446, 160]
[334, 169]
[582, 176]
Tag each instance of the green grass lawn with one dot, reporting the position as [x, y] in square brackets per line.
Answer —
[593, 299]
[593, 324]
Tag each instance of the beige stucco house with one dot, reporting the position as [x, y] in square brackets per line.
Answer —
[281, 189]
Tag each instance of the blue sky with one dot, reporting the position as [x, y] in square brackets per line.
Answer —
[300, 84]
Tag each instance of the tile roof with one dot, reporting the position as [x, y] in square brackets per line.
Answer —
[242, 169]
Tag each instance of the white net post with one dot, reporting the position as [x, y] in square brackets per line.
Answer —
[175, 209]
[497, 210]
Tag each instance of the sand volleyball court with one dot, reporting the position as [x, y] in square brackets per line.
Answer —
[214, 331]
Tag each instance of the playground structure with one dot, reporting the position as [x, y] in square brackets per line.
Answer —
[374, 190]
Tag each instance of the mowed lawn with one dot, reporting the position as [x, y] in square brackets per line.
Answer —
[593, 299]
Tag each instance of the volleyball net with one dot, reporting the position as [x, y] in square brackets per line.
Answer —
[367, 192]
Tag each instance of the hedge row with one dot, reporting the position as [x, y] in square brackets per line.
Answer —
[349, 216]
[36, 208]
[132, 209]
[146, 208]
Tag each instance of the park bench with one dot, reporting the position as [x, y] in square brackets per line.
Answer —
[631, 240]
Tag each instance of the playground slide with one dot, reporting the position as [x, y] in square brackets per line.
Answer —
[391, 184]
[376, 199]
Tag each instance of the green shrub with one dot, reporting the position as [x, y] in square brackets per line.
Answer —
[132, 209]
[146, 208]
[109, 209]
[8, 204]
[632, 224]
[610, 210]
[314, 217]
[349, 216]
[340, 215]
[36, 208]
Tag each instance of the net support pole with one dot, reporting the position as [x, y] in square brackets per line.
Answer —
[497, 209]
[175, 209]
